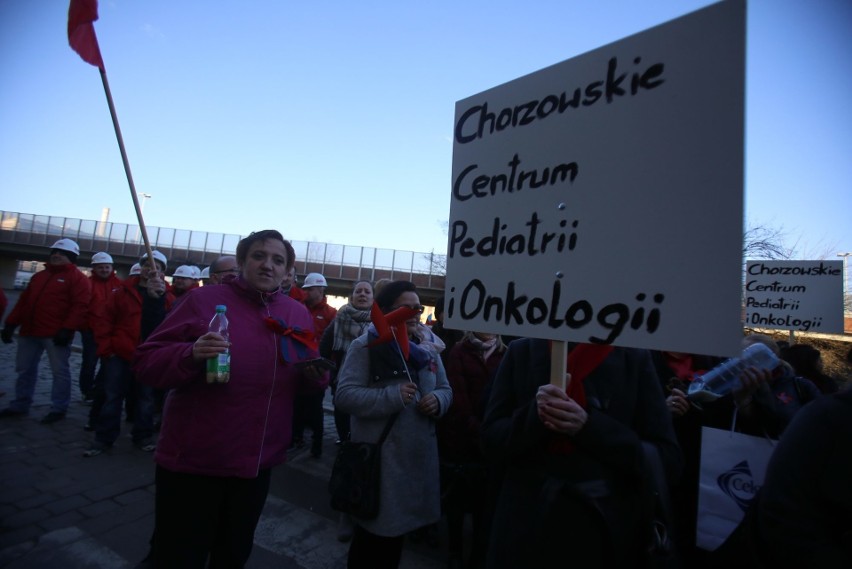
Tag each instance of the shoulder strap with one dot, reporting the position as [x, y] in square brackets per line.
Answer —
[388, 425]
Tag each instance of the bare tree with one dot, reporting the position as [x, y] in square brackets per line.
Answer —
[437, 263]
[764, 242]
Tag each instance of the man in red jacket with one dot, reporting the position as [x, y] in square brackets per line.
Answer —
[290, 288]
[185, 279]
[49, 311]
[104, 281]
[308, 410]
[131, 314]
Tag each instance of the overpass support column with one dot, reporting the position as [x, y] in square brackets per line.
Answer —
[8, 272]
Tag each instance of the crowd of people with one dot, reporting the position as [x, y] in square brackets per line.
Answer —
[472, 425]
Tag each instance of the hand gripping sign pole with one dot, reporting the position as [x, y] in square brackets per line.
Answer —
[81, 36]
[558, 367]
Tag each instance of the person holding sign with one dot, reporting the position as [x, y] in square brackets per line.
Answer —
[572, 491]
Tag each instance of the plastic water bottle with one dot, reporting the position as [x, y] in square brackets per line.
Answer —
[723, 378]
[219, 367]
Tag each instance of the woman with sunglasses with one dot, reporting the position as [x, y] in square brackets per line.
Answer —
[395, 373]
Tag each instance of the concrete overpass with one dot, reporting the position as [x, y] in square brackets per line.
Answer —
[26, 237]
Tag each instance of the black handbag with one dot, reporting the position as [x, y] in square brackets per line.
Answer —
[356, 476]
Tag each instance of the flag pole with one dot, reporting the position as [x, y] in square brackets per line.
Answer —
[82, 38]
[127, 169]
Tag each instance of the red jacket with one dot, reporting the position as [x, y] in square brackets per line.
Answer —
[120, 330]
[297, 294]
[323, 316]
[102, 290]
[57, 297]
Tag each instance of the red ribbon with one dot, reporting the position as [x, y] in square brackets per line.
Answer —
[304, 337]
[392, 326]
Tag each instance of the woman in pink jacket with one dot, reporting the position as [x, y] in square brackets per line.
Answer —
[218, 441]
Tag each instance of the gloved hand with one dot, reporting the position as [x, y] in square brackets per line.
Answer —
[63, 337]
[7, 333]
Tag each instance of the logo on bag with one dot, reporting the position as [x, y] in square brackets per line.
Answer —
[738, 483]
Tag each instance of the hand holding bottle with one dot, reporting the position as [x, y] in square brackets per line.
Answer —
[752, 380]
[217, 339]
[677, 402]
[210, 345]
[731, 374]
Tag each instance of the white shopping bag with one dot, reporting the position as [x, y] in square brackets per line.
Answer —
[733, 467]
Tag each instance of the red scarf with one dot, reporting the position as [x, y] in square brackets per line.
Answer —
[582, 361]
[683, 366]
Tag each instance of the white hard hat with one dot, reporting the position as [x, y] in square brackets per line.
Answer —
[186, 272]
[157, 257]
[196, 272]
[205, 273]
[314, 279]
[99, 258]
[135, 269]
[67, 245]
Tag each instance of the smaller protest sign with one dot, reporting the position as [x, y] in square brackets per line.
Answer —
[795, 295]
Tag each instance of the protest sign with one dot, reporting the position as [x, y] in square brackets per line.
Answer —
[795, 295]
[600, 200]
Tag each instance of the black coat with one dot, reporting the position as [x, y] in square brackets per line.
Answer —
[579, 509]
[804, 509]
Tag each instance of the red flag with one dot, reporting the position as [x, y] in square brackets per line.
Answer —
[81, 31]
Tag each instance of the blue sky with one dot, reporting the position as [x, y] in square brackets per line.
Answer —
[332, 121]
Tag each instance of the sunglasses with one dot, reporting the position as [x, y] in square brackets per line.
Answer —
[418, 307]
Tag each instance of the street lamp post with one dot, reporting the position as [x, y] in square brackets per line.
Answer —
[144, 197]
[845, 279]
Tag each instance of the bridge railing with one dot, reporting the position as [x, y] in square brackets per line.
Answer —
[350, 262]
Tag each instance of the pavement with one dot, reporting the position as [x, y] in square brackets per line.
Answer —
[58, 509]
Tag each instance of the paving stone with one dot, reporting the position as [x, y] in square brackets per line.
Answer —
[37, 500]
[134, 496]
[69, 503]
[26, 517]
[68, 519]
[99, 508]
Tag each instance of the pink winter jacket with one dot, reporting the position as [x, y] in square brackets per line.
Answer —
[235, 428]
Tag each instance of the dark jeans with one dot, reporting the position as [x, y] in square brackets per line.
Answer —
[199, 516]
[118, 383]
[88, 363]
[97, 393]
[307, 412]
[341, 423]
[371, 551]
[466, 489]
[341, 419]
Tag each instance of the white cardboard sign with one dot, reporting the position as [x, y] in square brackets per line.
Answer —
[600, 199]
[795, 295]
